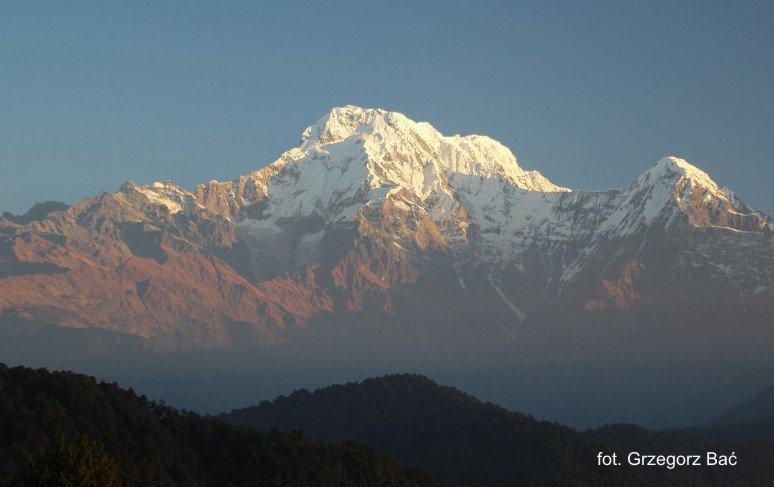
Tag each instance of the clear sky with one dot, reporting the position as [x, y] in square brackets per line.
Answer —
[590, 93]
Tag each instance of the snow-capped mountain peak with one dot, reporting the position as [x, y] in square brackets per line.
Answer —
[673, 189]
[398, 150]
[671, 169]
[354, 159]
[481, 202]
[483, 205]
[341, 123]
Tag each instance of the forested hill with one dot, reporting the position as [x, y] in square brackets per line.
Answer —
[65, 429]
[461, 441]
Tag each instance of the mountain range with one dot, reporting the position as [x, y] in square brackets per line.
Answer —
[379, 243]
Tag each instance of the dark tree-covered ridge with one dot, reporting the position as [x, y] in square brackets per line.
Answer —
[62, 428]
[461, 441]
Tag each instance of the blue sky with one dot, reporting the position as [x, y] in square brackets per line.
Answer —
[95, 93]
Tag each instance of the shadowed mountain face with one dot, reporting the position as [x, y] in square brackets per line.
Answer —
[380, 243]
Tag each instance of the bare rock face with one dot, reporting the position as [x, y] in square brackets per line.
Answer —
[374, 217]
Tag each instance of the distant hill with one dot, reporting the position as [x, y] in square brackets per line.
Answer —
[750, 420]
[61, 429]
[759, 407]
[464, 442]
